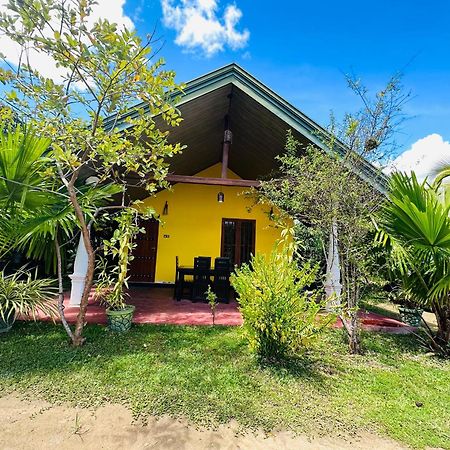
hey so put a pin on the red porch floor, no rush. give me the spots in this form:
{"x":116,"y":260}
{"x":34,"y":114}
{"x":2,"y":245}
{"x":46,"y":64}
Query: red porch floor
{"x":156,"y":306}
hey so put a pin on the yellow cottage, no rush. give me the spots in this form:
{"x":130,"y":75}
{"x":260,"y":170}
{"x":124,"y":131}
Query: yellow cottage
{"x":233,"y":127}
{"x":197,"y":219}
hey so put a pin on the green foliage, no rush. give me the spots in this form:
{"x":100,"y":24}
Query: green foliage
{"x":35,"y":210}
{"x":104,"y":70}
{"x":322,"y":192}
{"x":280,"y":315}
{"x":212,"y":301}
{"x":22,"y":168}
{"x":319,"y":190}
{"x":113,"y":279}
{"x":310,"y":243}
{"x":414,"y":226}
{"x":22,"y":294}
{"x":89,"y":111}
{"x":328,"y":189}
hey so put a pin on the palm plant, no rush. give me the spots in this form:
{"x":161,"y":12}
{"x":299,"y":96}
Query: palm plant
{"x":22,"y":163}
{"x":22,"y":294}
{"x":35,"y":209}
{"x":414,"y":225}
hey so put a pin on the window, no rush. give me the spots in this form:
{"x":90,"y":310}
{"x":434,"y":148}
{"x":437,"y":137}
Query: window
{"x":238,"y":240}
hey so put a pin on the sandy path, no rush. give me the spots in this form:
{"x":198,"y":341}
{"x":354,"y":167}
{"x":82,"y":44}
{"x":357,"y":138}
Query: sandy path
{"x":39,"y":425}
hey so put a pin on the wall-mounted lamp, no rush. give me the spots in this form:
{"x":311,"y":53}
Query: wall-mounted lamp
{"x":166,"y":209}
{"x":220,"y":197}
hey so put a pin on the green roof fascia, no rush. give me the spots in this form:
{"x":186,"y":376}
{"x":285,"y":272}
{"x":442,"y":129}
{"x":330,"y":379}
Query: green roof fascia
{"x":294,"y":118}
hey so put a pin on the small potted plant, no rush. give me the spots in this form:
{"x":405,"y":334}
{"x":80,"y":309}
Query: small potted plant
{"x":410,"y":311}
{"x":21,"y":294}
{"x":410,"y":314}
{"x":119,"y":314}
{"x":113,"y":280}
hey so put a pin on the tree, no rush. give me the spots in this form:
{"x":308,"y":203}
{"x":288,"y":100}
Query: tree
{"x":36,"y":217}
{"x":414,"y":225}
{"x":330,"y":192}
{"x":319,"y":191}
{"x":86,"y":112}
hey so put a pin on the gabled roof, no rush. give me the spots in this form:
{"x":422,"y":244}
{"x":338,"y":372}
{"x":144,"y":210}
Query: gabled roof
{"x":259,"y":119}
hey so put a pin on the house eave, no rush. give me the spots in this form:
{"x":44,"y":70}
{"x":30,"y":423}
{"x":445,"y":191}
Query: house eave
{"x":294,"y":118}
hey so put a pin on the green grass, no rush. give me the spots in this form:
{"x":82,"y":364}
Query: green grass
{"x":208,"y":376}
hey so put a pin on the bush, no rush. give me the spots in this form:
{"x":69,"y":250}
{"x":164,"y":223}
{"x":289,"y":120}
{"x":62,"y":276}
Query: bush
{"x":280,"y":314}
{"x":22,"y":294}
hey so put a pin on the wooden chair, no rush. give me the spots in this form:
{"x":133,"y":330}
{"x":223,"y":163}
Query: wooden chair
{"x":202,"y":277}
{"x":183,"y":287}
{"x":221,"y":283}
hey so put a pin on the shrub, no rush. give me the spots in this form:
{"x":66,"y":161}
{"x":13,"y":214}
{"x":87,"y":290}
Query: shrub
{"x":22,"y":294}
{"x":280,"y":314}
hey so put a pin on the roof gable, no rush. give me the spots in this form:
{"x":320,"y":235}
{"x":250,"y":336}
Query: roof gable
{"x":259,"y":121}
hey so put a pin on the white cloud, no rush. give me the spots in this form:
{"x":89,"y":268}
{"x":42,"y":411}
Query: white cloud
{"x":198,"y":25}
{"x":423,"y":156}
{"x":104,"y":9}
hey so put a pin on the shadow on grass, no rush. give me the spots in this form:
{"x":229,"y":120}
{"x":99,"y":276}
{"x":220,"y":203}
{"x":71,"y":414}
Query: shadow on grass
{"x":304,"y":366}
{"x":378,"y":309}
{"x":391,"y":344}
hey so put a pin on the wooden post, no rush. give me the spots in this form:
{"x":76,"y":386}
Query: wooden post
{"x":227,"y":138}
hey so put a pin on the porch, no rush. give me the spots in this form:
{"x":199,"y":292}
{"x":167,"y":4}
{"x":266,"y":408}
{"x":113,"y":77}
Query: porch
{"x":155,"y":305}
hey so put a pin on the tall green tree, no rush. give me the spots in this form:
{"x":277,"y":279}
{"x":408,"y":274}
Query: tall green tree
{"x":332,"y":192}
{"x":322,"y":193}
{"x":86,"y":112}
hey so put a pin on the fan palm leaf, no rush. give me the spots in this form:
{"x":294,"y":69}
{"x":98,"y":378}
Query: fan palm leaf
{"x":22,"y":163}
{"x":414,"y":225}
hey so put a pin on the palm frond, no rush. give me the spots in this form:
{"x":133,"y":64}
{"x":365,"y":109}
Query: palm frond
{"x":21,"y":165}
{"x":414,"y":226}
{"x":23,"y":294}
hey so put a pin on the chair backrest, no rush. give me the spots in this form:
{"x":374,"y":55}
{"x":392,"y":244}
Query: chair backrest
{"x":202,"y":262}
{"x":222,"y":264}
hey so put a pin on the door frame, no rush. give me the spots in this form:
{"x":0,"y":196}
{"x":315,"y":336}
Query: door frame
{"x":152,"y":274}
{"x":237,"y":247}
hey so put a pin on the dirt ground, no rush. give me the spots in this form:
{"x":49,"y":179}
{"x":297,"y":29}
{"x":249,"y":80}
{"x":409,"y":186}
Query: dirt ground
{"x":40,"y":425}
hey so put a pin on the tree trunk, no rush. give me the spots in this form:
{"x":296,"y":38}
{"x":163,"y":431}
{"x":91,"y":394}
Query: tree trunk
{"x":354,"y":338}
{"x":77,"y":339}
{"x":442,"y":314}
{"x":61,"y":290}
{"x":351,"y":322}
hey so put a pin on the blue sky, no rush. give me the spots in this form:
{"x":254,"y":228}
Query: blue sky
{"x":302,"y":49}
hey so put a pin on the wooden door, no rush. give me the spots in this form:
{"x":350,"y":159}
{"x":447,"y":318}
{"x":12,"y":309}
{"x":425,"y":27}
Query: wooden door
{"x":143,"y":267}
{"x":238,"y":240}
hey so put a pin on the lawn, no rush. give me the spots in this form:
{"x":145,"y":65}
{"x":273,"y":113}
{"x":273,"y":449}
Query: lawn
{"x":208,"y":376}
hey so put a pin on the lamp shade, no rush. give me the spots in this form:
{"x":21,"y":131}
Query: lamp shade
{"x":220,"y":197}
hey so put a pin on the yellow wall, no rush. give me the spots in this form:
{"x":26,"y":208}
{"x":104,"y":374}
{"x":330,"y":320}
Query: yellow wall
{"x":193,"y":225}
